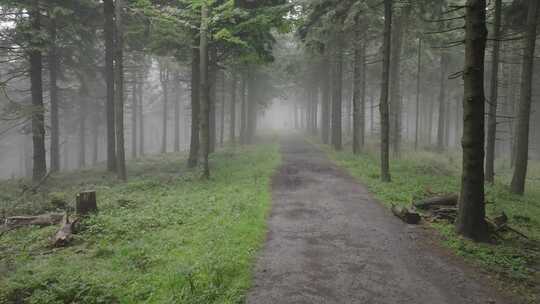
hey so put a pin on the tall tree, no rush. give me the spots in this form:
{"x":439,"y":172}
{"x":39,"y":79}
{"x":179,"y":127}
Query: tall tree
{"x":383,"y":106}
{"x":359,"y":93}
{"x":164,"y":81}
{"x":119,"y":90}
{"x":524,"y":111}
{"x":470,"y":220}
{"x":418,"y":83}
{"x":232,"y":110}
{"x":36,"y":71}
{"x":108,"y":12}
{"x":493,"y":95}
{"x":195,"y":108}
{"x":204,"y":91}
{"x":177,"y":101}
{"x":53,"y":96}
{"x":337,"y":77}
{"x":326,"y":100}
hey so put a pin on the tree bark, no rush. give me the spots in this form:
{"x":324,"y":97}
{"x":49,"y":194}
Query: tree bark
{"x":493,"y":99}
{"x":204,"y":91}
{"x":108,"y":12}
{"x":383,"y":107}
{"x":38,"y":119}
{"x":53,"y":95}
{"x":195,"y":109}
{"x":524,"y":110}
{"x":470,"y":221}
{"x":119,"y":92}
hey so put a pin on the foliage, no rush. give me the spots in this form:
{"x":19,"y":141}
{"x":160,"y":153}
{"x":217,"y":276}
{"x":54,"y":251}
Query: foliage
{"x":162,"y":237}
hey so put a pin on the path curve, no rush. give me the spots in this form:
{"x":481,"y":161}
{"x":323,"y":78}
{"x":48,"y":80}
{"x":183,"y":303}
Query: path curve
{"x":329,"y":242}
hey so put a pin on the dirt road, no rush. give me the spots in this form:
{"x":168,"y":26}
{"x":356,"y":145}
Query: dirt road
{"x":329,"y":241}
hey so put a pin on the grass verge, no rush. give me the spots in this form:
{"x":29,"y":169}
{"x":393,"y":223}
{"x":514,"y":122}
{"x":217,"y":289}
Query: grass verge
{"x":163,"y":237}
{"x":416,"y":175}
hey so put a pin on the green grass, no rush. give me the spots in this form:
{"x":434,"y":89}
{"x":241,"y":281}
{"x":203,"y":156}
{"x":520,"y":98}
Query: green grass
{"x":163,"y":237}
{"x":417,"y":175}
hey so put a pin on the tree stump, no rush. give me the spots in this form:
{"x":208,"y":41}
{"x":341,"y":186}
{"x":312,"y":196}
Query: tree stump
{"x":86,"y":203}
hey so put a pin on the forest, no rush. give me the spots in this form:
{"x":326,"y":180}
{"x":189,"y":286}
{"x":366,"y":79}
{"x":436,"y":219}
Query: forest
{"x":269,"y":151}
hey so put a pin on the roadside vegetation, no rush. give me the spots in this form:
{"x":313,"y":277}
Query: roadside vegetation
{"x":421,"y":174}
{"x":162,"y":237}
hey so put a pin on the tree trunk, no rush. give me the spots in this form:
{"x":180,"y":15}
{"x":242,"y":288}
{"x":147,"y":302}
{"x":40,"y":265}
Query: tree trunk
{"x":252,"y":105}
{"x":212,"y":98}
{"x":222,"y":110}
{"x":418,"y":87}
{"x":232,"y":130}
{"x":119,"y":92}
{"x":385,"y":119}
{"x":195,"y":109}
{"x":337,"y":98}
{"x":442,"y":106}
{"x":359,"y":95}
{"x":53,"y":92}
{"x":243,"y":110}
{"x":164,"y":80}
{"x":524,"y":111}
{"x":326,"y":100}
{"x":140,"y":94}
{"x":204,"y":91}
{"x":177,"y":100}
{"x":83,"y":95}
{"x":95,"y":133}
{"x":134,"y":116}
{"x":395,"y":83}
{"x":108,"y":12}
{"x":38,"y":119}
{"x":470,"y":221}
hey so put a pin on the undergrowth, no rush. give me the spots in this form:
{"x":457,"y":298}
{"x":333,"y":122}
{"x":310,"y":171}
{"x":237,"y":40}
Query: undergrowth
{"x":165,"y":236}
{"x":416,"y":175}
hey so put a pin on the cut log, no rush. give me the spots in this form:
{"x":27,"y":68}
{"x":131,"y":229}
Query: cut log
{"x":38,"y":220}
{"x":438,"y":201}
{"x":406,"y":215}
{"x":86,"y":203}
{"x":65,"y":234}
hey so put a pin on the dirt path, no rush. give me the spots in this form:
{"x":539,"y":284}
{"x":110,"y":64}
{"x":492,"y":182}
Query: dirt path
{"x":329,"y":241}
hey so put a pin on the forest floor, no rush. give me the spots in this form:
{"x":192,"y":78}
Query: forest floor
{"x":165,"y":236}
{"x":330,"y":241}
{"x":513,"y":262}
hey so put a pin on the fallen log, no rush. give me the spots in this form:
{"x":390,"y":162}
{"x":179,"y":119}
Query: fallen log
{"x":41,"y":220}
{"x":437,"y":201}
{"x":406,"y":215}
{"x":63,"y":236}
